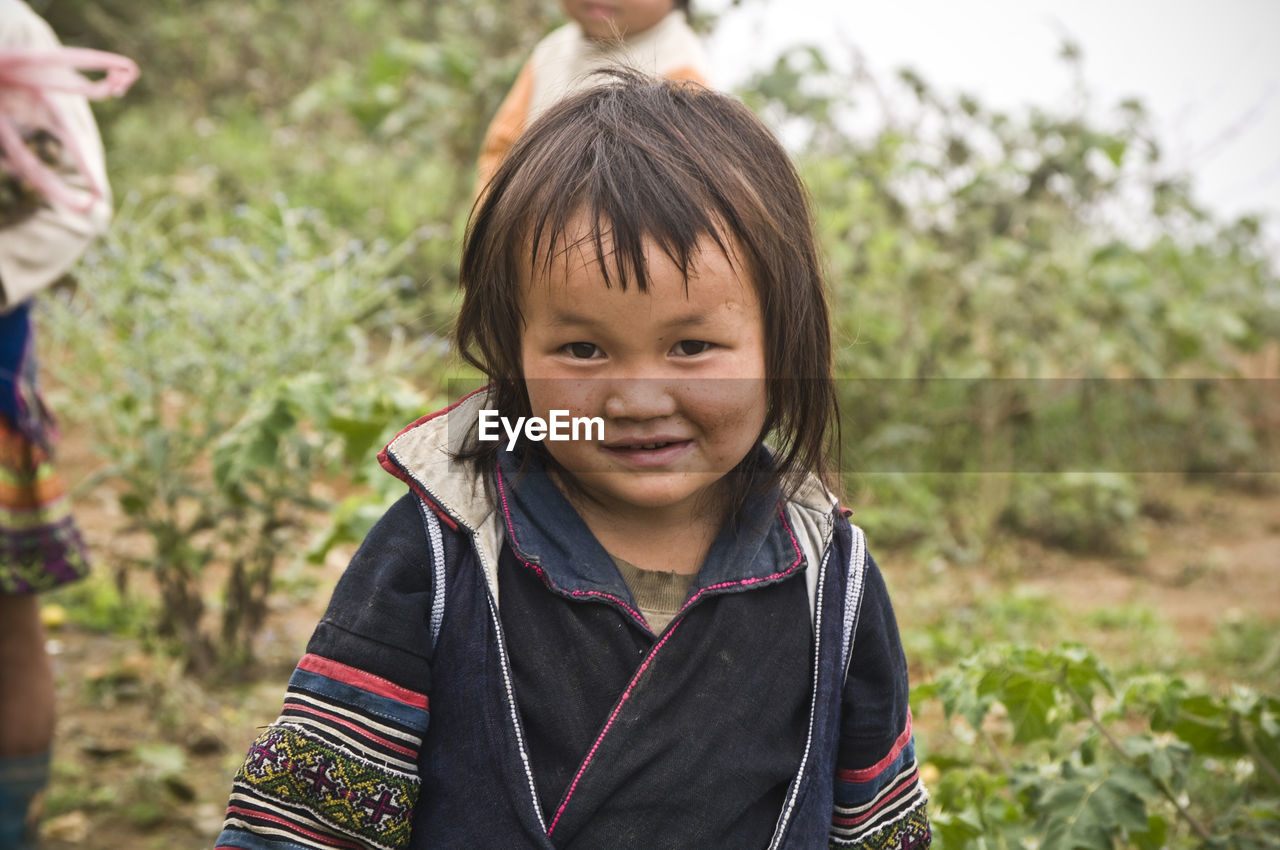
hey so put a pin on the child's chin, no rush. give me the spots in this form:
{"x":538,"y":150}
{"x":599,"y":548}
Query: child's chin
{"x":677,"y":491}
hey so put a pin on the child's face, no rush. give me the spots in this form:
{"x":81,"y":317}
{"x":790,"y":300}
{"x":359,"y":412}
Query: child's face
{"x":677,"y":377}
{"x":601,"y":19}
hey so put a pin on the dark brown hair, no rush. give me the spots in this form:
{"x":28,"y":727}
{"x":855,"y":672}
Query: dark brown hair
{"x":674,"y":163}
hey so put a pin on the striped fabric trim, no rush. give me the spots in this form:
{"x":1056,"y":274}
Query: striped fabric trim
{"x":344,"y":730}
{"x":338,"y":768}
{"x":889,"y":800}
{"x":909,"y":831}
{"x":355,"y":677}
{"x":251,"y":825}
{"x":867,"y":774}
{"x":408,"y":717}
{"x":40,"y":546}
{"x":886,"y":809}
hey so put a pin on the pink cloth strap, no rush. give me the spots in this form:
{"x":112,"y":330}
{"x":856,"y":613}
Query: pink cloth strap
{"x":27,"y":78}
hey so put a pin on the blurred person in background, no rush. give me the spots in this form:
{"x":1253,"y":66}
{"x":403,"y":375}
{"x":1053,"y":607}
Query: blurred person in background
{"x":651,"y":36}
{"x":54,"y":200}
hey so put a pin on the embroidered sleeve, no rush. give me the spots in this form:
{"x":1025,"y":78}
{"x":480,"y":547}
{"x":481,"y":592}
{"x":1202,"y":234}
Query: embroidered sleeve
{"x":337,"y":769}
{"x":339,"y":766}
{"x":879,"y":799}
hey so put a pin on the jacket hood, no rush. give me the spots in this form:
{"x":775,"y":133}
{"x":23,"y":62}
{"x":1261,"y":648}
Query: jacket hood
{"x":423,"y":456}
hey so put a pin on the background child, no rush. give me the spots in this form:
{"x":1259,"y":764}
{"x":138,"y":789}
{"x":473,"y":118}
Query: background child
{"x":498,"y":666}
{"x":652,"y":36}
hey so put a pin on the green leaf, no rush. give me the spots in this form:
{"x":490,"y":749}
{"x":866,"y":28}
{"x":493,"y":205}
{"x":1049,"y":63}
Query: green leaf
{"x":1114,"y":147}
{"x":1033,"y":708}
{"x":132,"y":504}
{"x":1164,"y":759}
{"x":1155,"y":836}
{"x":1082,"y":671}
{"x":958,"y":688}
{"x":1090,"y":807}
{"x":956,"y":829}
{"x":1205,"y":723}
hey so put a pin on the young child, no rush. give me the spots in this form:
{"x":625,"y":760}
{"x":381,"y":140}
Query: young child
{"x":648,"y":35}
{"x":658,"y":633}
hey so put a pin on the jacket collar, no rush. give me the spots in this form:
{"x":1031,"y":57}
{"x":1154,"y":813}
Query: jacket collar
{"x":546,"y":532}
{"x":422,"y":456}
{"x":553,"y":536}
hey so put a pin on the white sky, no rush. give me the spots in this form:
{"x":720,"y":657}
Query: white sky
{"x":1208,"y":71}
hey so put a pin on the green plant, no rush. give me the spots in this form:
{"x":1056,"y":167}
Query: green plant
{"x":1015,"y":291}
{"x":215,"y":377}
{"x":1247,"y":647}
{"x":1079,"y":511}
{"x":1062,"y":753}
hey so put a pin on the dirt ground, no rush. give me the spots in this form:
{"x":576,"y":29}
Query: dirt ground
{"x":145,"y":756}
{"x":1214,"y":556}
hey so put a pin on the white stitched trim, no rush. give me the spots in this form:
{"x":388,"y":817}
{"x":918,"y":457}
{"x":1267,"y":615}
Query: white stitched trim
{"x":794,"y":791}
{"x":437,"y":569}
{"x":515,"y":713}
{"x":853,"y":585}
{"x":360,"y":717}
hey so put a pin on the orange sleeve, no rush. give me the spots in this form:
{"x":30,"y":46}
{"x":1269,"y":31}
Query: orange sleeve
{"x":688,"y":74}
{"x":506,"y":126}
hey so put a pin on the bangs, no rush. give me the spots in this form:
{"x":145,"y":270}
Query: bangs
{"x":634,"y":175}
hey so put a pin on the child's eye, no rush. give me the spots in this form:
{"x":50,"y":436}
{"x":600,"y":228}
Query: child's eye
{"x":690,"y":347}
{"x":582,"y":350}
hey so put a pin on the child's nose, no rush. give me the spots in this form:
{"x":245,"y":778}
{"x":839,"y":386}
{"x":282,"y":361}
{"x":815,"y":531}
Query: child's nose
{"x":640,"y":398}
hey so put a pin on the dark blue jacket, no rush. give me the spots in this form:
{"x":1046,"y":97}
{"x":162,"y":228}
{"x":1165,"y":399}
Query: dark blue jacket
{"x":404,"y":727}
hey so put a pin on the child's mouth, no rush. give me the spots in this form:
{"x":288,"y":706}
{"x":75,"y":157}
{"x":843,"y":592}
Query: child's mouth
{"x":657,"y":453}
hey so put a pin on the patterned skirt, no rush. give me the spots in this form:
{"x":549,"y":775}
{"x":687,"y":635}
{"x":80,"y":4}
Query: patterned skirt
{"x":40,"y":546}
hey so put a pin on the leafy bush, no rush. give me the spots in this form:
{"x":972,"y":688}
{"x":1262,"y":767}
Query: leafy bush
{"x":1080,"y":511}
{"x":219,"y":378}
{"x":979,"y":258}
{"x":1062,"y":754}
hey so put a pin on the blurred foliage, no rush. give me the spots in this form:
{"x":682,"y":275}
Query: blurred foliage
{"x":222,"y":379}
{"x":367,"y":110}
{"x":1059,"y":752}
{"x":1084,"y":512}
{"x":979,"y":258}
